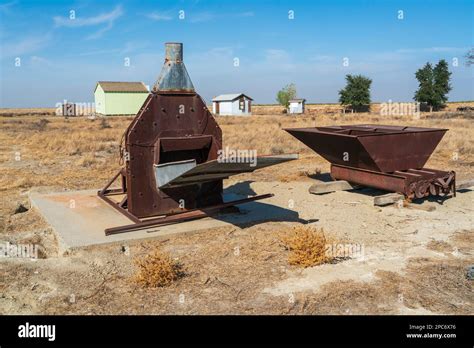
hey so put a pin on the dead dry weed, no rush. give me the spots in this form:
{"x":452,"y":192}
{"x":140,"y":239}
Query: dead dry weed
{"x":307,"y":247}
{"x":157,"y":269}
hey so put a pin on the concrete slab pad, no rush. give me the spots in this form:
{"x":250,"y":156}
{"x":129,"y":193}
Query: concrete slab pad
{"x":331,"y":186}
{"x":80,"y":217}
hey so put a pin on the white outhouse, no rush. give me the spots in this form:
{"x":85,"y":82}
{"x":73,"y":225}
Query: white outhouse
{"x":296,"y":106}
{"x":237,"y":104}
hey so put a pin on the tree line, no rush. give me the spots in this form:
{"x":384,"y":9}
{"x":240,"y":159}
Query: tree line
{"x":434,"y":84}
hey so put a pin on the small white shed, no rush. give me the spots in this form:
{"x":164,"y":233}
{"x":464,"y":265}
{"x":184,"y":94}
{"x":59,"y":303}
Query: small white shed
{"x":237,"y":104}
{"x":296,"y":106}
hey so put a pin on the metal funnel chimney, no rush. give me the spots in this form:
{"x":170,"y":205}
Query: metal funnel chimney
{"x":173,"y":76}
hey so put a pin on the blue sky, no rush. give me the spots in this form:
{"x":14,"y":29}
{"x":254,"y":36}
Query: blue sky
{"x":62,"y":58}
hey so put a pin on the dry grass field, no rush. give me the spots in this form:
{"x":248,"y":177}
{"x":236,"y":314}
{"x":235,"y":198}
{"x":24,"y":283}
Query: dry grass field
{"x":39,"y":151}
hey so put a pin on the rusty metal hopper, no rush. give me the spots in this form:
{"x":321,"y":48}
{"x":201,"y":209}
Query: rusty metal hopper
{"x":390,"y":158}
{"x":174,"y":164}
{"x":174,"y":77}
{"x":377,"y":148}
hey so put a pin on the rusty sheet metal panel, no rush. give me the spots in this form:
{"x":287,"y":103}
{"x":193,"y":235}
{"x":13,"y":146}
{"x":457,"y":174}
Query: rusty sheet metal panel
{"x":412,"y":183}
{"x":372,"y":147}
{"x":162,"y":118}
{"x":166,"y":172}
{"x":215,"y":169}
{"x":395,"y":183}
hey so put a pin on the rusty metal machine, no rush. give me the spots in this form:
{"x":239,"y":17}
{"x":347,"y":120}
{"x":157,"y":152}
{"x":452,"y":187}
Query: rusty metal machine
{"x":390,"y":158}
{"x":173,"y":169}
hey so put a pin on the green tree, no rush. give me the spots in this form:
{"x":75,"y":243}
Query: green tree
{"x":286,"y":94}
{"x":442,"y":76}
{"x":433,"y":84}
{"x":425,"y":92}
{"x":470,"y":57}
{"x":357,"y":91}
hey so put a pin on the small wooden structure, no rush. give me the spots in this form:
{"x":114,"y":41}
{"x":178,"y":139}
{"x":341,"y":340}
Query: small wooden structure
{"x":296,"y":106}
{"x":119,"y":98}
{"x":236,"y":104}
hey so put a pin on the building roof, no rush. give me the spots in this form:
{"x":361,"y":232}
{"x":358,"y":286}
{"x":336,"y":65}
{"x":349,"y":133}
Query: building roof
{"x":297,"y":100}
{"x":111,"y":86}
{"x":230,"y":97}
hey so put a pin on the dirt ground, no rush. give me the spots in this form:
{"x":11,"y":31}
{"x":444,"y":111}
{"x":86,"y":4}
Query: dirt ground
{"x":414,"y":260}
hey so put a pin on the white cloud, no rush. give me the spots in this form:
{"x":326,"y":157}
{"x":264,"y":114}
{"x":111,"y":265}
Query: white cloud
{"x":107,"y":18}
{"x":433,"y":50}
{"x":278,"y":59}
{"x":100,"y":32}
{"x":37,"y":60}
{"x":219,"y":58}
{"x":276,"y":54}
{"x":99,"y":52}
{"x":201,"y":17}
{"x":26,"y":45}
{"x":322,"y":58}
{"x":197,"y":17}
{"x":159,"y":16}
{"x":6,"y":8}
{"x":245,"y":14}
{"x":129,"y":47}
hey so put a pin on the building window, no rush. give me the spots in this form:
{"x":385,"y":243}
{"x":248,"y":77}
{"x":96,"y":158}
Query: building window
{"x":241,"y":104}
